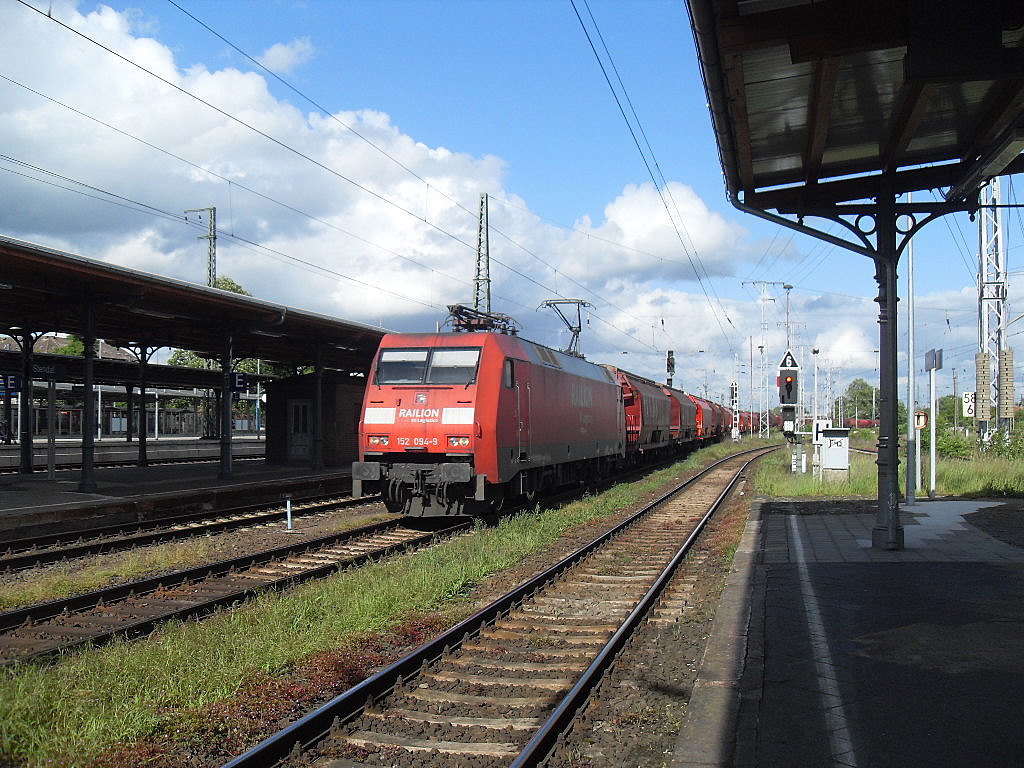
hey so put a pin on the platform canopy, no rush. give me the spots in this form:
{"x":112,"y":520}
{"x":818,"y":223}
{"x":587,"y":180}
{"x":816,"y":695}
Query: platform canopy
{"x":835,"y":109}
{"x":818,"y":102}
{"x":43,"y":290}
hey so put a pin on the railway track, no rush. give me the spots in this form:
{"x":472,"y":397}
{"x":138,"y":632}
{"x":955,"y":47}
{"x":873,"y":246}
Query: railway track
{"x":20,"y":554}
{"x":128,"y":610}
{"x":503,"y":686}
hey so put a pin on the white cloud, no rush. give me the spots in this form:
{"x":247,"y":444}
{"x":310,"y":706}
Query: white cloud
{"x":643,"y":236}
{"x":285,"y":58}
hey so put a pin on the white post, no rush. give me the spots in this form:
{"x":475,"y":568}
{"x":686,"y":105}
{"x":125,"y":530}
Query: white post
{"x":913,"y":444}
{"x":814,"y":418}
{"x":931,"y":484}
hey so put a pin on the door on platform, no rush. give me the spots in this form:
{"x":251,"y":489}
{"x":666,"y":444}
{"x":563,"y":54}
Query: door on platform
{"x":299,"y":435}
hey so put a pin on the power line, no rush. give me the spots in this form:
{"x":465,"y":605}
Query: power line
{"x":106,"y":196}
{"x":694,"y":257}
{"x":304,"y":156}
{"x":386,"y":154}
{"x":274,"y":140}
{"x":228,"y":181}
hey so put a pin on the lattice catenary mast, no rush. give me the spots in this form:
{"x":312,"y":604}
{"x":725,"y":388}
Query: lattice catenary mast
{"x":482,"y":281}
{"x":211,"y":242}
{"x":997,"y":390}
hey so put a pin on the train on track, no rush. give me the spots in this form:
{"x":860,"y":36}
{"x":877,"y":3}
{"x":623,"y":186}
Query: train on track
{"x":462,"y":422}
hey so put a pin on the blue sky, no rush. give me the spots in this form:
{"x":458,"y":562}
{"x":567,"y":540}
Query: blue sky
{"x":458,"y":97}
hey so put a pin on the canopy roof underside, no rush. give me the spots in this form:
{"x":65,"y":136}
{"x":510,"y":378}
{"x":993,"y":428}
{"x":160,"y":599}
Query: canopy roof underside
{"x":816,"y":102}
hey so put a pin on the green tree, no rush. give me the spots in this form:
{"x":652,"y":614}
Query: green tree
{"x":860,"y":400}
{"x":190,"y":359}
{"x":74,"y":347}
{"x":225,"y":283}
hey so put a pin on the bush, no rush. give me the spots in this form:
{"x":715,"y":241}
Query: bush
{"x":954,"y":445}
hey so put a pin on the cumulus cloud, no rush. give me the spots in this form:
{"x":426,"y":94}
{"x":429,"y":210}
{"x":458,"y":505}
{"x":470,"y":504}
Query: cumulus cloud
{"x":285,"y":58}
{"x":669,"y":236}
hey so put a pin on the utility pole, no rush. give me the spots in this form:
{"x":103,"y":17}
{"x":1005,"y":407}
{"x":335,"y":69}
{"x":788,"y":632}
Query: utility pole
{"x":956,"y":405}
{"x":209,"y":420}
{"x":765,"y":298}
{"x":211,"y":241}
{"x":750,"y":371}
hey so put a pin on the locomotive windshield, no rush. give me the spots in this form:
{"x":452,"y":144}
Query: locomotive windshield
{"x":445,"y":365}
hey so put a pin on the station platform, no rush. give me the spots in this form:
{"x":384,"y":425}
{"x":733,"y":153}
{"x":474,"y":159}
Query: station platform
{"x":827,"y":652}
{"x":33,"y":504}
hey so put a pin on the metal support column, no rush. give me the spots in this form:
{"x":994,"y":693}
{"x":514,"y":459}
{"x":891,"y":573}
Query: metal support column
{"x":225,"y":408}
{"x":87,"y":480}
{"x":317,"y":462}
{"x":143,"y":458}
{"x":27,"y":342}
{"x":887,"y":532}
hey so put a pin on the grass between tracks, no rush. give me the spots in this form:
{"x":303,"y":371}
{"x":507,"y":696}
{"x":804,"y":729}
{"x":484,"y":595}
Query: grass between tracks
{"x":67,"y":579}
{"x":168,"y":685}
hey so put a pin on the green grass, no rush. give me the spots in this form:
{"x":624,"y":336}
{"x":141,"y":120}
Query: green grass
{"x":774,"y":477}
{"x":69,"y":579}
{"x":985,"y":476}
{"x":67,"y":714}
{"x":979,"y":478}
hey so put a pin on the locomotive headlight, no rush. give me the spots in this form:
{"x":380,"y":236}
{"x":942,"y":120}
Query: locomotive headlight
{"x":377,"y":440}
{"x":458,"y":442}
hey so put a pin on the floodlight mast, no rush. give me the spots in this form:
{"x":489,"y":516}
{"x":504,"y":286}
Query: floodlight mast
{"x":556,"y":304}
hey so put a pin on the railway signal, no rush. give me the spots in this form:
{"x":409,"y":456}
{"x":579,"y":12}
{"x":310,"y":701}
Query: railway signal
{"x":788,"y":386}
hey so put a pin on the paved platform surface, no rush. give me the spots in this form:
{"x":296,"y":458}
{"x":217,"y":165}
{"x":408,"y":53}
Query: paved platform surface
{"x":33,"y":504}
{"x":827,"y":652}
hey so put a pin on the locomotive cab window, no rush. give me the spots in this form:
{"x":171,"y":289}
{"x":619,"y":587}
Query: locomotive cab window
{"x":427,"y":366}
{"x":401,"y":366}
{"x":453,"y":366}
{"x":510,"y":373}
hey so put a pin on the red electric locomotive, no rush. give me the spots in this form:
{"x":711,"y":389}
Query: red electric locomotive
{"x":456,"y":423}
{"x":453,"y":423}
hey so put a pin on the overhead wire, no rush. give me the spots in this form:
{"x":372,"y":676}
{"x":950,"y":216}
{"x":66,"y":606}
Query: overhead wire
{"x":233,"y":118}
{"x":963,"y":252}
{"x":315,"y":162}
{"x":246,"y":188}
{"x":693,"y":257}
{"x":330,"y":115}
{"x":107,"y":196}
